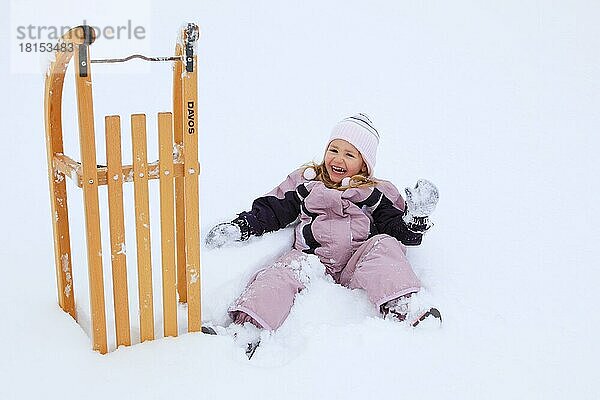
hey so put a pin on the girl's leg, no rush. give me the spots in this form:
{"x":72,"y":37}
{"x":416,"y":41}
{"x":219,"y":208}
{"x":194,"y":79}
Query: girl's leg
{"x":380,"y":267}
{"x":268,"y":298}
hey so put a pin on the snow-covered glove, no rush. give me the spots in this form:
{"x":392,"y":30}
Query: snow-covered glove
{"x":228,"y":232}
{"x":420,"y":203}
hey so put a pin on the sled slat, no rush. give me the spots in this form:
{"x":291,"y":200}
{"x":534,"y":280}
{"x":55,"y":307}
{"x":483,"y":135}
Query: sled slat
{"x":167,"y":223}
{"x":83,"y":85}
{"x":142,"y":226}
{"x":117,"y":229}
{"x":192,"y":215}
{"x":179,"y":185}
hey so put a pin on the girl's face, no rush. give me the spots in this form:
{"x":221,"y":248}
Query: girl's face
{"x":343,"y":160}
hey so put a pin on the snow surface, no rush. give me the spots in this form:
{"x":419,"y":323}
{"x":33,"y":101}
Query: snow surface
{"x":494,"y":102}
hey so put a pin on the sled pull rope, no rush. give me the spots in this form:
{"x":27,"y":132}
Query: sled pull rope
{"x":131,"y":57}
{"x":191,"y":36}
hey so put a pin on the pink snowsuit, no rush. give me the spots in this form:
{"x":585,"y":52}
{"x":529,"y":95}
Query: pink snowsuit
{"x":356,"y":234}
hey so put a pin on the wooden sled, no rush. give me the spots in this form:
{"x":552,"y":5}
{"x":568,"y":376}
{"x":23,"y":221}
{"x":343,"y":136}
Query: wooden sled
{"x":178,"y":177}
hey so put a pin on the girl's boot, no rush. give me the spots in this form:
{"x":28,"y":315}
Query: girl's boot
{"x":413,"y":309}
{"x":246,"y":332}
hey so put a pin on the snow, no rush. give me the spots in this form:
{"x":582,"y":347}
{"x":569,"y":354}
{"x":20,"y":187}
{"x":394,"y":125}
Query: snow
{"x":495,"y":103}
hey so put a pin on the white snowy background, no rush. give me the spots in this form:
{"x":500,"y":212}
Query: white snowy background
{"x":495,"y":102}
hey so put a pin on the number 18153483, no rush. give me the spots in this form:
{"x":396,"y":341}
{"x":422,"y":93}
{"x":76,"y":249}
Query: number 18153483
{"x":45,"y":47}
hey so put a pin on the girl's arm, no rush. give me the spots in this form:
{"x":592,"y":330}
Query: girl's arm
{"x":269,"y":213}
{"x":388,"y":219}
{"x":273,"y":211}
{"x":406,"y":221}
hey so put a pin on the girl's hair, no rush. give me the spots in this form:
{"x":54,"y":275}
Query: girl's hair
{"x":356,"y":181}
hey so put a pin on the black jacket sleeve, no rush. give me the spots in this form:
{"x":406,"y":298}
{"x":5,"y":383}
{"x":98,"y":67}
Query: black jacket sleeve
{"x":388,"y":219}
{"x":270,"y":213}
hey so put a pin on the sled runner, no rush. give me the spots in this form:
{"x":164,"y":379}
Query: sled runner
{"x":177,"y":172}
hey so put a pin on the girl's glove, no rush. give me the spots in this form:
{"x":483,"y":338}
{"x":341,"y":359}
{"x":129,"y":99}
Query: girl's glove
{"x":228,"y":232}
{"x":420,"y":203}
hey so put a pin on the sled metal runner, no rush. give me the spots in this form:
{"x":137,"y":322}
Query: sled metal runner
{"x":177,"y":172}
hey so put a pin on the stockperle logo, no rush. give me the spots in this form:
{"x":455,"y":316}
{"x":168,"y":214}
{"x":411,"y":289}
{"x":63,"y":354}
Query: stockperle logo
{"x":35,"y":36}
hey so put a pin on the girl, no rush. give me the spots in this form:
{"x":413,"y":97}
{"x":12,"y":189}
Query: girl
{"x":358,"y":227}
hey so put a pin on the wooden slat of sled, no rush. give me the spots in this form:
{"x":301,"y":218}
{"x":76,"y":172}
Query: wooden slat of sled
{"x":192,"y":215}
{"x":179,"y":180}
{"x":167,"y":223}
{"x":85,"y":110}
{"x":117,"y":229}
{"x":142,"y":226}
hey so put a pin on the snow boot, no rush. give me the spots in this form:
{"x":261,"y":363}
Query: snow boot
{"x":208,"y":330}
{"x":411,"y":309}
{"x":244,"y":335}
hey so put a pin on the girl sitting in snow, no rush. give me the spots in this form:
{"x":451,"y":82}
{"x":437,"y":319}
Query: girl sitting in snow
{"x":356,"y":225}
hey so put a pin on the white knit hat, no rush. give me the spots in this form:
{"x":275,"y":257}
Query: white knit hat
{"x":359,"y":131}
